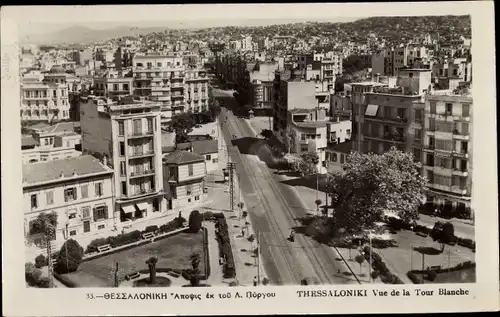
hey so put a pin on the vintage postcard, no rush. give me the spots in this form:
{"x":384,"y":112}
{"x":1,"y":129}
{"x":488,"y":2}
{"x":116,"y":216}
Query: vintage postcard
{"x":249,"y":159}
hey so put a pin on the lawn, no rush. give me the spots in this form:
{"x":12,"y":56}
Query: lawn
{"x":172,"y":252}
{"x":461,"y":276}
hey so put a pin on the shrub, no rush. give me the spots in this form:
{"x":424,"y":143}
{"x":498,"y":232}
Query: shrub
{"x":431,"y":275}
{"x":414,"y":278}
{"x":208,"y":215}
{"x":33,"y":276}
{"x":41,"y":261}
{"x":195,"y":221}
{"x":70,"y":257}
{"x":375,"y":274}
{"x":125,"y":238}
{"x":265,"y":281}
{"x":153,"y":228}
{"x":225,"y":250}
{"x":251,"y":238}
{"x":233,"y":283}
{"x":92,"y":247}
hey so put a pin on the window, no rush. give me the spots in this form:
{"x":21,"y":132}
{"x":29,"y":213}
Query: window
{"x":334,"y":157}
{"x":465,"y":109}
{"x":433,"y":107}
{"x":208,"y":157}
{"x":137,"y":126}
{"x":156,"y":205}
{"x":98,"y":189}
{"x":49,"y":196}
{"x":85,"y":191}
{"x":115,"y":87}
{"x":348,"y":133}
{"x":418,"y":134}
{"x":465,"y":147}
{"x":122,"y":168}
{"x":85,"y":212}
{"x":303,"y":137}
{"x":150,"y":64}
{"x":341,"y":158}
{"x":150,"y":125}
{"x":190,"y":169}
{"x":158,"y":64}
{"x":122,"y":148}
{"x":72,"y":233}
{"x":72,"y":215}
{"x":449,"y":108}
{"x":46,"y":141}
{"x":99,"y":227}
{"x":188,"y":190}
{"x":34,"y":201}
{"x":121,"y":128}
{"x":70,"y":194}
{"x":196,"y":197}
{"x":418,"y":115}
{"x":124,"y":188}
{"x":100,"y":213}
{"x":430,"y":176}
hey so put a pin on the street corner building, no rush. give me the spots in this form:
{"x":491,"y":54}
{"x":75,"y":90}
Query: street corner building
{"x":77,"y":189}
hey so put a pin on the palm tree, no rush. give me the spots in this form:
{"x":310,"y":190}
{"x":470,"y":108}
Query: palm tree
{"x":151,"y":262}
{"x":195,"y":271}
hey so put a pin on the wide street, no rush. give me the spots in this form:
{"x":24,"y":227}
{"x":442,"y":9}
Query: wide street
{"x":274,"y":210}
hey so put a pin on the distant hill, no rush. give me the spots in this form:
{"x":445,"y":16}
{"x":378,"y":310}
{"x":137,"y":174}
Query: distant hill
{"x":85,"y":35}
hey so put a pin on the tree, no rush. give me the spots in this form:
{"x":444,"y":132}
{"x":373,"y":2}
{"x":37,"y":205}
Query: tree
{"x":266,"y":133}
{"x":182,"y":124}
{"x":195,"y":220}
{"x":151,"y":262}
{"x":443,"y":233}
{"x":69,"y":257}
{"x":371,"y":184}
{"x":308,"y":162}
{"x":360,"y":258}
{"x":194,"y":273}
{"x":44,"y":224}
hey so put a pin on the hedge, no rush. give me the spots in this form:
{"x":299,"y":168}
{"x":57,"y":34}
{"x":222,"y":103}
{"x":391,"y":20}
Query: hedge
{"x":134,"y":236}
{"x":416,"y":279}
{"x":378,"y":265}
{"x":225,"y":250}
{"x":33,"y":276}
{"x":41,"y":261}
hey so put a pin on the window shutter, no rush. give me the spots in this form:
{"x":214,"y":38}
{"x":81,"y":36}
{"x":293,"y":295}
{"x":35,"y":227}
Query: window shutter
{"x":96,"y":189}
{"x":74,"y":193}
{"x":106,"y":212}
{"x":94,"y":211}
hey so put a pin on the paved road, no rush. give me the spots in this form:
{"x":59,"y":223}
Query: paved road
{"x":274,"y":210}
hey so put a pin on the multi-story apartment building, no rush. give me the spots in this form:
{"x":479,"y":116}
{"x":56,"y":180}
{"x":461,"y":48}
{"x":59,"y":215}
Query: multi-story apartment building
{"x":340,"y":105}
{"x":196,"y":90}
{"x":81,"y":57}
{"x":78,"y":190}
{"x":290,"y":92}
{"x":447,"y":71}
{"x":387,"y":117}
{"x":447,"y":158}
{"x":112,"y":85}
{"x":261,"y":88}
{"x":128,"y":134}
{"x":44,"y":101}
{"x":183,"y":178}
{"x":161,"y":79}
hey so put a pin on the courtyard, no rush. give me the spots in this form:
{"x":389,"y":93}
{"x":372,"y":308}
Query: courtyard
{"x":172,"y":252}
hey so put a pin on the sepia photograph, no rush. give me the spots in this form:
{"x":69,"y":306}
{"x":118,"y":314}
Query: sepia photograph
{"x":258,"y":152}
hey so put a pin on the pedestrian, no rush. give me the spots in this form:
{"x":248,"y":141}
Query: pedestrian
{"x":255,"y":281}
{"x":242,"y":231}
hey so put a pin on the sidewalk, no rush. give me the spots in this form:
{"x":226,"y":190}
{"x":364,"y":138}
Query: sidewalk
{"x":216,"y":277}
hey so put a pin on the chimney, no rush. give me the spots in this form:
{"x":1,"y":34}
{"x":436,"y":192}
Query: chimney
{"x":105,"y":160}
{"x":61,"y":175}
{"x":74,"y":173}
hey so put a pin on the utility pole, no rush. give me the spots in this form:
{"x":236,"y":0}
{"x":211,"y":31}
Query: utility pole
{"x":116,"y":275}
{"x":230,"y":167}
{"x":423,"y":265}
{"x":370,"y":267}
{"x":258,"y":257}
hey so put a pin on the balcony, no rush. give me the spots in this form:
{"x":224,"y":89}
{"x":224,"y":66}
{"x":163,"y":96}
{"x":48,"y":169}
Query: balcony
{"x":458,"y":136}
{"x":160,"y":88}
{"x":178,"y":105}
{"x":138,"y":154}
{"x":177,"y":86}
{"x":460,"y":172}
{"x":142,"y":173}
{"x":140,"y":134}
{"x":461,"y":154}
{"x":458,"y":190}
{"x":143,"y":192}
{"x":177,"y":96}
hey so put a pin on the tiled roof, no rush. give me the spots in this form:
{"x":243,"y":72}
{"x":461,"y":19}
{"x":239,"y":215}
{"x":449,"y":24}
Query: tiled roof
{"x":300,"y":111}
{"x":205,"y":147}
{"x":56,"y":128}
{"x":28,"y":141}
{"x":182,"y":157}
{"x":52,"y":170}
{"x":183,"y":146}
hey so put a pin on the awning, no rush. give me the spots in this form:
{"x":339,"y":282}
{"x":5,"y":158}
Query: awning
{"x":128,"y":209}
{"x":371,"y":110}
{"x":142,"y":206}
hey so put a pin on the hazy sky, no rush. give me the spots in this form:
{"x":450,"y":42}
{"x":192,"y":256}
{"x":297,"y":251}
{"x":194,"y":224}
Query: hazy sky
{"x":47,"y":19}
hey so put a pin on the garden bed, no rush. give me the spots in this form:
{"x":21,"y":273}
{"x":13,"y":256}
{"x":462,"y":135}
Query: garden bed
{"x":172,"y":252}
{"x":225,"y":250}
{"x":380,"y":268}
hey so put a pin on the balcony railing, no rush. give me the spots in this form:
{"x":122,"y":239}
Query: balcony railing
{"x":136,"y":134}
{"x":141,"y":153}
{"x":142,"y":192}
{"x":142,"y":173}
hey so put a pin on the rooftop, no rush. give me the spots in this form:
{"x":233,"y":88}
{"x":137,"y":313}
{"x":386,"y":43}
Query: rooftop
{"x":344,"y":147}
{"x":205,"y":147}
{"x":42,"y":172}
{"x":182,"y":157}
{"x":28,"y":141}
{"x":61,"y":127}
